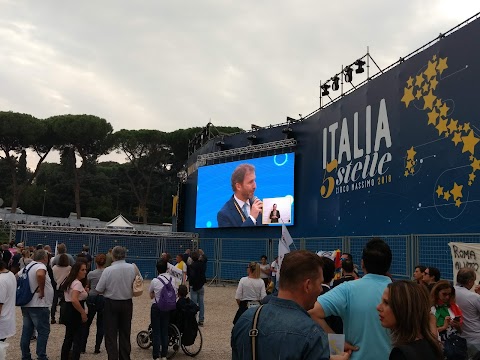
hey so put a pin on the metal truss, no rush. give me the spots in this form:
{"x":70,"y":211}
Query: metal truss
{"x":103,"y":231}
{"x":280,"y":144}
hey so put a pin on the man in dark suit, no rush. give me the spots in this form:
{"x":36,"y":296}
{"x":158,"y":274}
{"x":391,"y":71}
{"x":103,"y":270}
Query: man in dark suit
{"x":242,"y":209}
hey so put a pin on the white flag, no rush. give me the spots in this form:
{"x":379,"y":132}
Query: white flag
{"x":286,"y":236}
{"x":283,"y":248}
{"x":56,"y":245}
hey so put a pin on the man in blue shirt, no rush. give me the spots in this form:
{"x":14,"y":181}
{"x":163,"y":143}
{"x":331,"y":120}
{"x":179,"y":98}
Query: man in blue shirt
{"x":285,"y":330}
{"x":356,"y":301}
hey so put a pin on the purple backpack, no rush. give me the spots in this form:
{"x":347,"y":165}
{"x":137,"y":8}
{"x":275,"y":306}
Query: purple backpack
{"x":168,"y":299}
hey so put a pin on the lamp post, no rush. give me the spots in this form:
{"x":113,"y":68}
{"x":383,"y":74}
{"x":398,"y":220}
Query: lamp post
{"x":44,"y":196}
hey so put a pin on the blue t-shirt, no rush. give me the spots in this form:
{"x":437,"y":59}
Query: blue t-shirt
{"x":355,"y":302}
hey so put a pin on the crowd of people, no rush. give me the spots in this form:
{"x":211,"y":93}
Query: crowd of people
{"x":83,"y":295}
{"x":423,"y":318}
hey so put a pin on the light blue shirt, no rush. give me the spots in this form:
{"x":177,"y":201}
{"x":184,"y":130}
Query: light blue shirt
{"x":116,"y":281}
{"x":355,"y":302}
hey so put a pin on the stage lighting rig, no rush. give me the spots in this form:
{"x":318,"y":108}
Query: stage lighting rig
{"x":335,"y":83}
{"x":359,"y":64}
{"x":348,"y":73}
{"x":325,"y":88}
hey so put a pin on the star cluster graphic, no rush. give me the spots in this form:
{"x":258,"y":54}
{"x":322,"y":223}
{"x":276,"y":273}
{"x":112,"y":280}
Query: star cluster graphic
{"x":422,"y":87}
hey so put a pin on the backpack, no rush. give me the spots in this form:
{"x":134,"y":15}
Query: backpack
{"x":24,"y":294}
{"x":167,"y":300}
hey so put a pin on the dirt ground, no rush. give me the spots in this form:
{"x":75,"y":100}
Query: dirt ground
{"x":220,"y":308}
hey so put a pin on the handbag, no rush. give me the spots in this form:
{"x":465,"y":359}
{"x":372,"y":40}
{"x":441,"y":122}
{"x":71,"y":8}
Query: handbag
{"x":455,"y":348}
{"x":137,"y":285}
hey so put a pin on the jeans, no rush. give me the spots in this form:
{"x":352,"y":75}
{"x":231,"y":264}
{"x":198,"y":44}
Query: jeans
{"x":118,"y":327}
{"x":35,"y":318}
{"x":95,"y":305}
{"x":160,"y":321}
{"x":197,"y":298}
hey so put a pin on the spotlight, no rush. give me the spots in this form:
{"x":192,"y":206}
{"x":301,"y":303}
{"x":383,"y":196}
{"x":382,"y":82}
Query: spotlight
{"x":288,"y":131}
{"x":220,"y":144}
{"x":252,"y":137}
{"x":325,"y":88}
{"x":359,"y":63}
{"x":348,"y":71}
{"x":335,"y":85}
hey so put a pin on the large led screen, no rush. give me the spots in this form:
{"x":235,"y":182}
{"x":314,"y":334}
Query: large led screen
{"x":271,"y":182}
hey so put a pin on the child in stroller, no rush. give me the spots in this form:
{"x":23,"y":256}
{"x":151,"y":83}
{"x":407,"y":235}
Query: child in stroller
{"x":183,"y":330}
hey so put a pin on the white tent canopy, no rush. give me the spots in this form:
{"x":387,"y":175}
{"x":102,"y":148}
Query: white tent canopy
{"x":119,"y":223}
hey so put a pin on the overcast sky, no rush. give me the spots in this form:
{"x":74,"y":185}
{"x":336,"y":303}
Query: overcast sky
{"x":165,"y":65}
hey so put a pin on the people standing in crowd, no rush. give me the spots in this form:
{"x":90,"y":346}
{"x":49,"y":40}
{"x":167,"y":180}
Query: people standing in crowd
{"x":37,"y":312}
{"x":60,"y":273}
{"x":285,"y":330}
{"x":62,"y":249}
{"x":265,"y":270}
{"x":86,"y":253}
{"x":159,"y":319}
{"x":348,"y":256}
{"x":26,"y":259}
{"x":197,"y":280}
{"x":5,"y":253}
{"x":356,"y":301}
{"x":186,"y":256}
{"x":328,"y":270}
{"x":15,"y":266}
{"x":8,"y":287}
{"x":95,"y":303}
{"x":109,"y":258}
{"x":469,"y":302}
{"x":75,"y":295}
{"x":116,"y":284}
{"x":418,"y":274}
{"x":348,"y":273}
{"x":405,"y":310}
{"x":250,"y":290}
{"x":431,"y":276}
{"x":183,"y":267}
{"x":274,"y":268}
{"x":447,"y":313}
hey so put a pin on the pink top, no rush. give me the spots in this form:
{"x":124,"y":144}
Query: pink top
{"x":76,"y":285}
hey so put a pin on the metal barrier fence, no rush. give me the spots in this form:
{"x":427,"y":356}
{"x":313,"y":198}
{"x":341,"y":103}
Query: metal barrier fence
{"x":227,"y":257}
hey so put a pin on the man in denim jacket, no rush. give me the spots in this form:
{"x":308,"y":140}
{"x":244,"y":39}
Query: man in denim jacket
{"x":285,"y":330}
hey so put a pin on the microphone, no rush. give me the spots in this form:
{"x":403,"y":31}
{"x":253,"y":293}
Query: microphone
{"x":252,"y":200}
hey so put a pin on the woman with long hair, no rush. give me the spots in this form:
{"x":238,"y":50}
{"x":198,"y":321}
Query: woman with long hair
{"x":405,"y":310}
{"x":449,"y":320}
{"x":26,"y":258}
{"x":60,"y":273}
{"x":250,"y":290}
{"x":95,"y":303}
{"x":76,"y":317}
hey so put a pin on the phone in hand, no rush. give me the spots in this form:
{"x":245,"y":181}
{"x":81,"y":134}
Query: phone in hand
{"x":456,"y":318}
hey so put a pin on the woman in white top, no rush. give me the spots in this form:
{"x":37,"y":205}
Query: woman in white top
{"x":250,"y":290}
{"x":60,"y":273}
{"x":76,"y":317}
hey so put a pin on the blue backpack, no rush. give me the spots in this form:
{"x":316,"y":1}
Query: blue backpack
{"x":24,"y":294}
{"x":167,"y":300}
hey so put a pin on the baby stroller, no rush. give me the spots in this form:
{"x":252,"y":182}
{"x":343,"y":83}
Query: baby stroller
{"x":183,"y":331}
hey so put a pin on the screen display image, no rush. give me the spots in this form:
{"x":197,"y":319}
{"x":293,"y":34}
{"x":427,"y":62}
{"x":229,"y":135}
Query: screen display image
{"x":261,"y":193}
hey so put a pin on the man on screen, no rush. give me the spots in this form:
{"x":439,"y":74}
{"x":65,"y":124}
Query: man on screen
{"x":243,"y":208}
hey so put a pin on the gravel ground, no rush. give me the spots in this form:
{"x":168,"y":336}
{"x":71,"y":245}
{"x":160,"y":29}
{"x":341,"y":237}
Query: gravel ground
{"x":220,"y":308}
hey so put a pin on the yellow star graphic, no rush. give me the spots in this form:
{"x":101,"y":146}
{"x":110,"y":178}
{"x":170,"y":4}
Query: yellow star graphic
{"x":439,"y":191}
{"x":458,"y":203}
{"x":442,"y":126}
{"x":446,"y":195}
{"x":469,"y":142}
{"x":434,"y":57}
{"x":410,"y":82}
{"x":406,"y":173}
{"x":411,"y":153}
{"x":433,"y":84}
{"x":425,"y":87}
{"x":431,"y":70}
{"x":407,"y":96}
{"x":475,"y":165}
{"x":429,"y":99}
{"x":456,"y":191}
{"x":419,"y":80}
{"x":452,"y":126}
{"x":466,"y":127}
{"x":442,"y":64}
{"x":438,"y":103}
{"x":460,"y":127}
{"x":444,"y":110}
{"x":457,"y":138}
{"x":409,"y":165}
{"x":418,"y":94}
{"x":471,"y":177}
{"x":432,"y":117}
